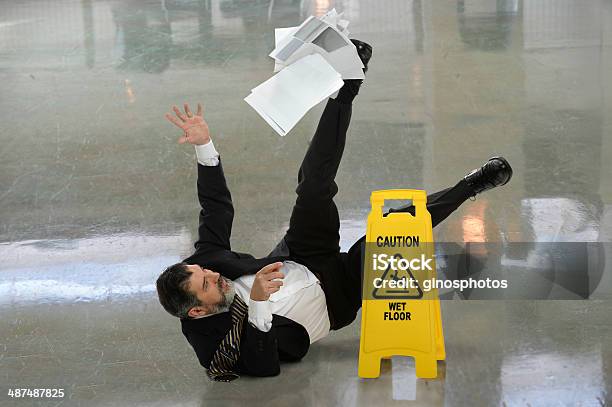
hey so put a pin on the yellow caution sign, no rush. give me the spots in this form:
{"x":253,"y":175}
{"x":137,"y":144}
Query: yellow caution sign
{"x":400,"y":314}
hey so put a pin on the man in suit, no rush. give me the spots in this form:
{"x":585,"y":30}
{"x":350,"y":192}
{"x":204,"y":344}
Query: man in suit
{"x":244,"y":315}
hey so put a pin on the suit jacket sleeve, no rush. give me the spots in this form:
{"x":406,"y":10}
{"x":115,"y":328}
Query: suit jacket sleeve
{"x":262,"y":352}
{"x":217,"y":213}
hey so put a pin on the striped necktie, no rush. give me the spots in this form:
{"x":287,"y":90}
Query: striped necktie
{"x":225,"y":357}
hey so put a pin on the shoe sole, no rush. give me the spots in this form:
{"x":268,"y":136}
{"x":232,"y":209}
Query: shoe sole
{"x":507,"y":164}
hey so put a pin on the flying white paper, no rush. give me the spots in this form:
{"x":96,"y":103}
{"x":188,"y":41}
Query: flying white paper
{"x":311,"y":61}
{"x":286,"y":97}
{"x":326,"y":36}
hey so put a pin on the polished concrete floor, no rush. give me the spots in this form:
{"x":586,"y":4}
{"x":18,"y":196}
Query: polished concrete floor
{"x":96,"y":197}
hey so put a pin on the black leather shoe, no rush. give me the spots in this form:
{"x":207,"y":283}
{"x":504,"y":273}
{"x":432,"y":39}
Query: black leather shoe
{"x":364,"y":50}
{"x":493,"y":173}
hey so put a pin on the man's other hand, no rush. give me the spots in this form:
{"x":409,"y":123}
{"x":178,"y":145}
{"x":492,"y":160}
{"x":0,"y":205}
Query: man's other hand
{"x":263,"y":286}
{"x":195,"y":128}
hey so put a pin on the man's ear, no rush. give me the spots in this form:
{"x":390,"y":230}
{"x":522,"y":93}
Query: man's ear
{"x":196,"y":312}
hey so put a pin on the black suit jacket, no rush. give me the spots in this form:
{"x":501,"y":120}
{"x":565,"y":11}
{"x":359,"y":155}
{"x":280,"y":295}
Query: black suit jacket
{"x":261,"y":352}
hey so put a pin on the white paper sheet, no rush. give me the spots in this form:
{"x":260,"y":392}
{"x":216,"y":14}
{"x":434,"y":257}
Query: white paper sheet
{"x":326,"y":36}
{"x":286,"y":97}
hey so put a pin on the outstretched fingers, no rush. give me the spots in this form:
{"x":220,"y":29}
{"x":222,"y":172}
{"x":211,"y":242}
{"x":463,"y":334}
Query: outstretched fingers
{"x":188,"y":110}
{"x":179,"y":114}
{"x":175,"y":121}
{"x":186,"y":121}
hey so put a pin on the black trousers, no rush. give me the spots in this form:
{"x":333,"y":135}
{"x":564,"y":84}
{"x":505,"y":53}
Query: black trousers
{"x":313,"y":237}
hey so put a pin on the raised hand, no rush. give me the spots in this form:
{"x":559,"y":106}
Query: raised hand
{"x":195,"y":128}
{"x":264,"y":284}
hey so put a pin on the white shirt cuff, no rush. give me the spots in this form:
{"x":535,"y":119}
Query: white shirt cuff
{"x":207,"y":154}
{"x":260,"y":315}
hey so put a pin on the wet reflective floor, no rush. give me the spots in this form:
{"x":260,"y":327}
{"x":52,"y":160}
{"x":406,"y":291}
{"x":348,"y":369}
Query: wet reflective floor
{"x":96,"y":197}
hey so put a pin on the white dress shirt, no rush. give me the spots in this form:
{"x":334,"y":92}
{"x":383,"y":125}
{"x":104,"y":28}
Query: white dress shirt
{"x":300,"y":298}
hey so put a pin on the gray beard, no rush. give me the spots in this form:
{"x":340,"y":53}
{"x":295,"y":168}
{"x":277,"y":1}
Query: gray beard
{"x":228,"y":297}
